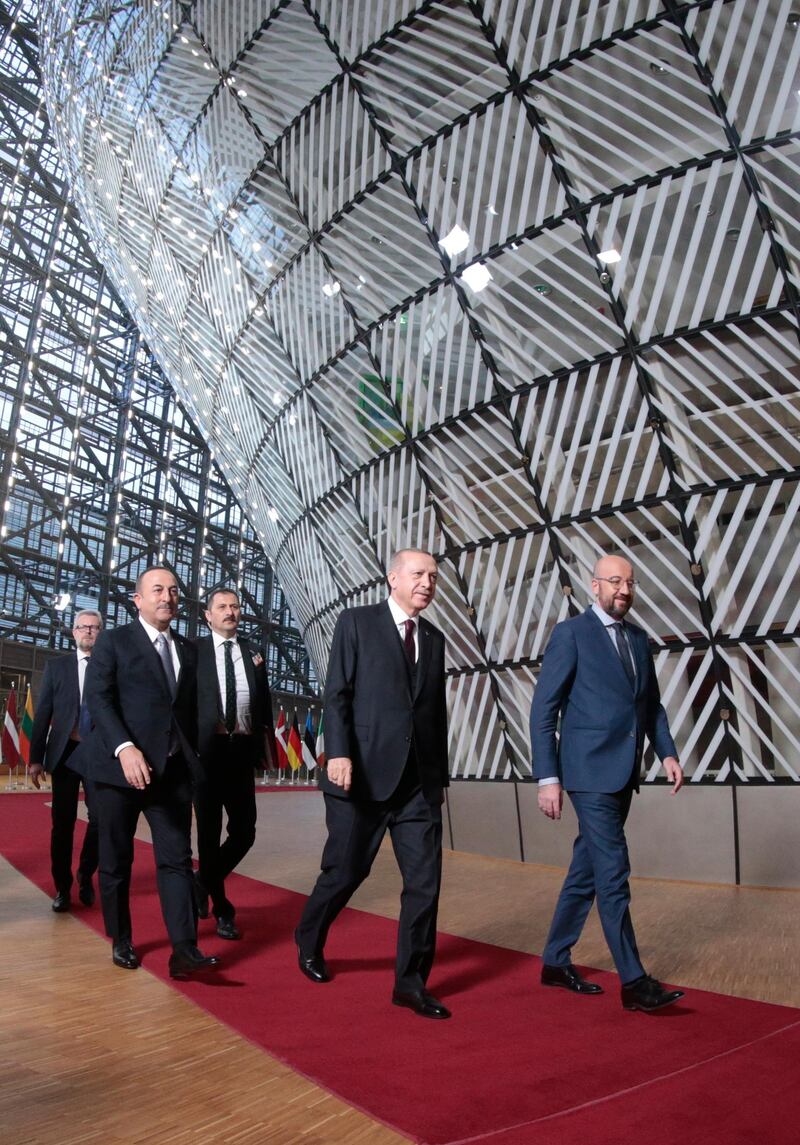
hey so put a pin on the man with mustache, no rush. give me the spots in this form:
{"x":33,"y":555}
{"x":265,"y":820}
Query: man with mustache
{"x":235,"y":737}
{"x":386,"y":737}
{"x":597,"y":685}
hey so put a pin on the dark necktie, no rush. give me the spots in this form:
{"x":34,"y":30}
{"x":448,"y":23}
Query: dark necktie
{"x":162,"y":647}
{"x":84,"y":719}
{"x":624,"y":652}
{"x":408,"y":642}
{"x":230,"y":689}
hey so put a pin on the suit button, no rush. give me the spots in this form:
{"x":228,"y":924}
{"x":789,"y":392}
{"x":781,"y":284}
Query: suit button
{"x":633,"y":734}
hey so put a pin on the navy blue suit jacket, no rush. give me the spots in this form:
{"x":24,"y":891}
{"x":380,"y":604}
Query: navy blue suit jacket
{"x":584,"y":690}
{"x":57,"y":711}
{"x":372,"y":713}
{"x":129,"y":699}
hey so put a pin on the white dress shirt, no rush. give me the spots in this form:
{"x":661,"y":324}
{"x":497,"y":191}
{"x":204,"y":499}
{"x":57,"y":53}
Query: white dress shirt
{"x":244,"y":722}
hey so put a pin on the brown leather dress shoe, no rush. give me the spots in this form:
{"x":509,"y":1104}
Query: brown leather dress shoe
{"x":568,"y":978}
{"x":421,"y":1002}
{"x":648,"y":995}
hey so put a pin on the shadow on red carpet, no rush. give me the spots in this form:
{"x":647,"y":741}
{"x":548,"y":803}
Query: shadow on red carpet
{"x":516,"y":1065}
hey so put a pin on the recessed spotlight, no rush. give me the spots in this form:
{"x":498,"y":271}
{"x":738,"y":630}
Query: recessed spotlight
{"x":658,"y":67}
{"x":609,"y":257}
{"x":477,"y":277}
{"x":455,"y":242}
{"x":543,"y":288}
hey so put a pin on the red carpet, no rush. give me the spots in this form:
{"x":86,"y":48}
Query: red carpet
{"x":517,"y":1065}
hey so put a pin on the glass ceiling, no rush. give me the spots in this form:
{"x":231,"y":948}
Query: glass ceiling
{"x":513,"y":281}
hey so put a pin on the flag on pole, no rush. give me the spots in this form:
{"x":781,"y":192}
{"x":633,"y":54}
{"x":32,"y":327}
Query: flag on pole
{"x":309,"y":744}
{"x":280,"y":742}
{"x":10,"y":739}
{"x":294,"y":746}
{"x":322,"y":758}
{"x":26,"y":729}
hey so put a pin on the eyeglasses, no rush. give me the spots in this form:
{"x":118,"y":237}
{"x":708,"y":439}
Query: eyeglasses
{"x":616,"y":581}
{"x":87,"y":627}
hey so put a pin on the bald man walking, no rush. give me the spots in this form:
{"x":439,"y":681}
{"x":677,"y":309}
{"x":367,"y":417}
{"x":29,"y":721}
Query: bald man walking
{"x":597,"y":686}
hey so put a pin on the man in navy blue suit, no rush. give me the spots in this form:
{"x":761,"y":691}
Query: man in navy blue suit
{"x":598,"y":683}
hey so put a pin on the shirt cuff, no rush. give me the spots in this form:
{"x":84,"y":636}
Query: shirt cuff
{"x":547,"y":782}
{"x":128,"y":743}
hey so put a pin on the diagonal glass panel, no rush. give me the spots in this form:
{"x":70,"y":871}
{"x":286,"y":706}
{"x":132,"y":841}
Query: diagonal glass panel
{"x":432,"y":69}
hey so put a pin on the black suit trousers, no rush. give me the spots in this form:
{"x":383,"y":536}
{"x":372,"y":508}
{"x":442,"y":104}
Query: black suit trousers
{"x":227,"y":783}
{"x":66,"y":785}
{"x":167,"y":805}
{"x":355,"y":832}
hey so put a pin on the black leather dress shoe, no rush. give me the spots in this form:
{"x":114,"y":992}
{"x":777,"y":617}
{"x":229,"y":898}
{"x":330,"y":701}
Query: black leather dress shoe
{"x":227,"y":928}
{"x":86,"y":892}
{"x":188,"y":960}
{"x":648,"y":995}
{"x":200,"y":897}
{"x":61,"y":902}
{"x":313,"y":966}
{"x":123,"y":955}
{"x":569,"y":978}
{"x":421,"y":1002}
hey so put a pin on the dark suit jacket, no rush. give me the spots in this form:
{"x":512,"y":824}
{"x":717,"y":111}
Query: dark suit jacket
{"x":603,"y":720}
{"x":371,"y":713}
{"x":56,"y":711}
{"x":129,"y":699}
{"x":210,"y":713}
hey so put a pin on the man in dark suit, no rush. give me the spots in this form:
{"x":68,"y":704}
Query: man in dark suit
{"x":598,"y":679}
{"x":386,"y":738}
{"x":235,"y":736}
{"x":141,"y":688}
{"x":61,"y":720}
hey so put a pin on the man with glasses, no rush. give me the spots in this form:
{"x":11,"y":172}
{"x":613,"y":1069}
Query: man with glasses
{"x":61,"y":721}
{"x":597,"y":686}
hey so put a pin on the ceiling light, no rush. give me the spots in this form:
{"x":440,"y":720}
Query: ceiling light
{"x":329,"y":289}
{"x":543,"y":288}
{"x":272,"y":514}
{"x":609,"y":257}
{"x":455,"y":242}
{"x":477,"y":276}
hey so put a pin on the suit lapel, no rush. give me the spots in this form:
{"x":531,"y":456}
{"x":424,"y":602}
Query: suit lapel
{"x":249,"y":670}
{"x":610,"y":650}
{"x":144,"y":641}
{"x":391,"y":638}
{"x":423,"y":654}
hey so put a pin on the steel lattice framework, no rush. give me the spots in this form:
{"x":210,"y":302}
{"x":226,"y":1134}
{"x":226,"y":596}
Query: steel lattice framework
{"x":511,"y":280}
{"x":102,"y":471}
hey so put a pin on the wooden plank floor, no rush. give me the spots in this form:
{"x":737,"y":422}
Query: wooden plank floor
{"x":94,"y":1055}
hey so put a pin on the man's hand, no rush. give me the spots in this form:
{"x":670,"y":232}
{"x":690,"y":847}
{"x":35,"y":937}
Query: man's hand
{"x":551,"y":798}
{"x":674,"y":773}
{"x":135,"y":767}
{"x":36,"y":772}
{"x":340,"y":771}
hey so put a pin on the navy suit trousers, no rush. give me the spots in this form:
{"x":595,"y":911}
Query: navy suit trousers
{"x":600,"y":870}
